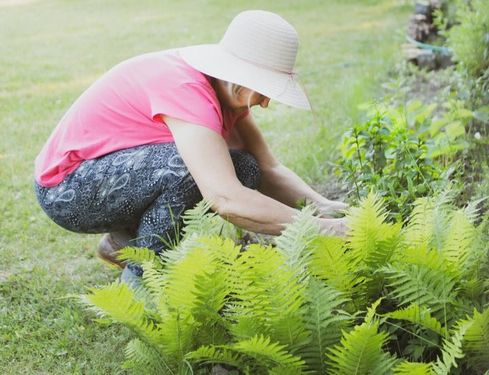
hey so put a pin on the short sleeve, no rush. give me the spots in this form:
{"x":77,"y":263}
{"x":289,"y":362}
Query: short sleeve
{"x":190,"y":102}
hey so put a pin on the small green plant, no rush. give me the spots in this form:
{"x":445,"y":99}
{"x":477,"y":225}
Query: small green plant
{"x":385,"y":300}
{"x":469,"y":37}
{"x":385,"y":155}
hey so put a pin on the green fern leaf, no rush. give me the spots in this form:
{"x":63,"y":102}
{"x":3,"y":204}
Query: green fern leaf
{"x":267,"y":353}
{"x":295,"y":240}
{"x":429,"y":220}
{"x":176,"y":335}
{"x":118,"y":302}
{"x":325,"y":321}
{"x":181,"y":278}
{"x":212,"y":293}
{"x":144,"y":359}
{"x":476,"y":341}
{"x":198,"y":221}
{"x":360,"y":352}
{"x":371,"y":239}
{"x":413,"y":368}
{"x":412,"y":283}
{"x":459,"y":240}
{"x":139,"y":255}
{"x":419,"y":315}
{"x":451,"y":351}
{"x":155,"y":283}
{"x":365,"y":225}
{"x":268,"y":296}
{"x":211,"y":354}
{"x":332,"y":263}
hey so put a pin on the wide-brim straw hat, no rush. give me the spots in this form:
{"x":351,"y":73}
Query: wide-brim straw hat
{"x":258,"y":51}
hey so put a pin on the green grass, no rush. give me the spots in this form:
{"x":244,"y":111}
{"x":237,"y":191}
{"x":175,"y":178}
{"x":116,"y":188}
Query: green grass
{"x":50,"y":51}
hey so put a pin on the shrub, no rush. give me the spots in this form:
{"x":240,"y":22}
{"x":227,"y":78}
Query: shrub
{"x":469,"y":38}
{"x":385,"y":300}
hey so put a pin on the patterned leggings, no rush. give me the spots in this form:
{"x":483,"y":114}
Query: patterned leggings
{"x":141,"y":191}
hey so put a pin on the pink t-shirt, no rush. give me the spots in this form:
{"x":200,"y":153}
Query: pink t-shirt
{"x":124,"y":108}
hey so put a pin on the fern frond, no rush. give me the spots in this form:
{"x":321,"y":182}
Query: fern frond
{"x":155,"y":283}
{"x":117,"y":301}
{"x":365,"y":225}
{"x":372,"y":240}
{"x":212,"y":293}
{"x":198,"y":221}
{"x":267,"y":353}
{"x":428,"y":223}
{"x":451,"y":351}
{"x":419,"y":315}
{"x":413,"y":368}
{"x":181,"y":278}
{"x":325,"y":321}
{"x":332,"y":263}
{"x":412,"y":283}
{"x":139,"y":255}
{"x":459,"y":240}
{"x":145,"y":359}
{"x":360,"y":352}
{"x":216,"y":354}
{"x":176,"y":334}
{"x":476,"y":341}
{"x":268,"y":296}
{"x":294,"y":242}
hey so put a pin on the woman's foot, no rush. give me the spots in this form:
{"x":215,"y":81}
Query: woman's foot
{"x":109,"y":246}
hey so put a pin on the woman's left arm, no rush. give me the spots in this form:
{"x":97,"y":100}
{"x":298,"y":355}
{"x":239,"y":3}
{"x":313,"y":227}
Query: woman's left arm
{"x":278,"y":181}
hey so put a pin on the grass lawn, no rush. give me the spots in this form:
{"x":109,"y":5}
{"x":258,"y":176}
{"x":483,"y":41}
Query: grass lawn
{"x":50,"y":51}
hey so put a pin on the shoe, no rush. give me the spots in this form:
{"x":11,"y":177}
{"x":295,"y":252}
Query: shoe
{"x":131,"y":278}
{"x":109,"y":246}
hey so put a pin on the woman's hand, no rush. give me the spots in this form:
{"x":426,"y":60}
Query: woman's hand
{"x":329,"y":209}
{"x":333,"y":227}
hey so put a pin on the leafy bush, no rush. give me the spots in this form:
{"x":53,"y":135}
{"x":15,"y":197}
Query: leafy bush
{"x":469,"y":39}
{"x":385,"y":300}
{"x":384,"y":154}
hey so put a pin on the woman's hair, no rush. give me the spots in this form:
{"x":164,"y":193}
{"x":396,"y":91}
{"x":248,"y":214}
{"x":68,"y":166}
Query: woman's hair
{"x":234,"y":90}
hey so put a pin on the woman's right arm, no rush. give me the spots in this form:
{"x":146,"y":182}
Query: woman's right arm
{"x":207,"y":158}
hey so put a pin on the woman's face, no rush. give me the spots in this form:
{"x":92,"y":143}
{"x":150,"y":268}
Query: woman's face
{"x":238,"y":98}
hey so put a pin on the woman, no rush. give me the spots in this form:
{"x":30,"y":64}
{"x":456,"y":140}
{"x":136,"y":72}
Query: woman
{"x":160,"y":131}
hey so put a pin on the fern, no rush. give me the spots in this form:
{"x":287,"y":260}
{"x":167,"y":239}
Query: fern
{"x":155,"y":283}
{"x":451,"y":351}
{"x":268,"y":296}
{"x":373,"y":243}
{"x":144,"y":359}
{"x":117,"y":301}
{"x":332,"y":263}
{"x":460,"y":237}
{"x":181,"y":278}
{"x":324,"y":320}
{"x":281,"y":310}
{"x":419,"y":315}
{"x":198,"y":221}
{"x":413,"y":368}
{"x":429,"y":220}
{"x":412,"y":283}
{"x":140,"y":255}
{"x":211,"y":354}
{"x":295,"y":240}
{"x":367,"y":229}
{"x":360,"y":352}
{"x":254,"y":355}
{"x":267,"y":353}
{"x":212,"y":293}
{"x":476,"y":341}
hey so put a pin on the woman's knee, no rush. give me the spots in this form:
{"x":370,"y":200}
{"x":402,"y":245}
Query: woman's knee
{"x":246,"y":168}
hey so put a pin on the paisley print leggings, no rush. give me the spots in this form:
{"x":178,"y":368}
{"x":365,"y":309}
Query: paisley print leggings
{"x":142,"y":191}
